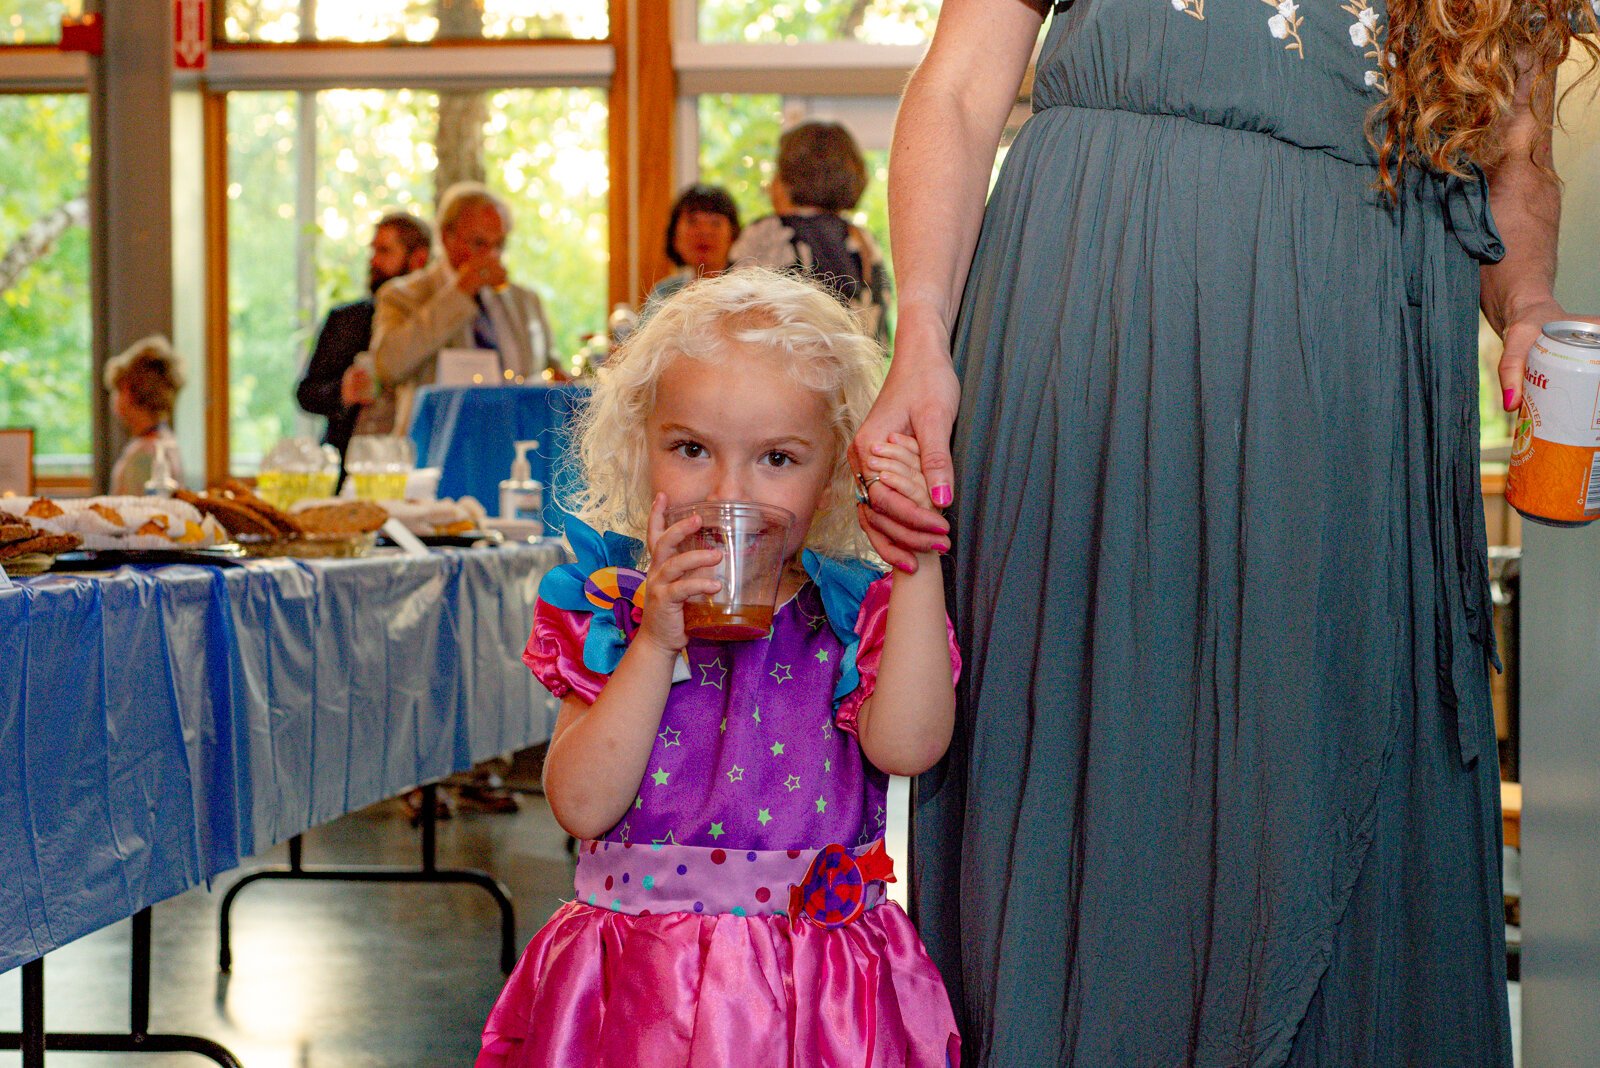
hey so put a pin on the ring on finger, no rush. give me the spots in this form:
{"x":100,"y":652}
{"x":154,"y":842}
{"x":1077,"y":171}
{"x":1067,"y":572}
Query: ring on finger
{"x":864,"y":485}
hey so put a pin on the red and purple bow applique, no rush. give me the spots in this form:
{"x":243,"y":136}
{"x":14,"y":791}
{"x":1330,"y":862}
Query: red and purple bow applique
{"x":834,"y":890}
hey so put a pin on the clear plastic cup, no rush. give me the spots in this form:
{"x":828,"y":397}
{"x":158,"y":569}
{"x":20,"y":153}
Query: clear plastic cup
{"x":751,"y":538}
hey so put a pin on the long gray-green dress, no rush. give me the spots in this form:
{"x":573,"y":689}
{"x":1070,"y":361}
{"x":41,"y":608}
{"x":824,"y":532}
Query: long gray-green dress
{"x":1224,"y":788}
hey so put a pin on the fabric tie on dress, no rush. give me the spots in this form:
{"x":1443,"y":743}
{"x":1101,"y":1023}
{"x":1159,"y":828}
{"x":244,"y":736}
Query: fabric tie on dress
{"x":1445,"y":216}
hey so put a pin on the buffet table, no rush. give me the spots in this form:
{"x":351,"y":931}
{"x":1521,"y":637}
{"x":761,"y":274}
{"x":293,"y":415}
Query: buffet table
{"x":159,"y":726}
{"x":468,"y":433}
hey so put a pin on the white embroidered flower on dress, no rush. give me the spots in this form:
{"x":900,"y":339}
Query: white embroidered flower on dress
{"x":1367,"y":32}
{"x":1284,"y":25}
{"x":1193,"y":8}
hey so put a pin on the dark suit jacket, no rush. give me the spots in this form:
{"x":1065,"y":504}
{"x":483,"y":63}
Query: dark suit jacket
{"x":344,"y":335}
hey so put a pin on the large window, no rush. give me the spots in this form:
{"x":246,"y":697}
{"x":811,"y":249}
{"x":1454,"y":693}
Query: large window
{"x":309,"y":175}
{"x":44,"y":276}
{"x":739,"y":148}
{"x":792,"y":21}
{"x":412,"y":20}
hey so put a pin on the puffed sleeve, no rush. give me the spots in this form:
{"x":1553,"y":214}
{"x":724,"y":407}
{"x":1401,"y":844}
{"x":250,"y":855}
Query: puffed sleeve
{"x":555,"y":652}
{"x":870,"y":625}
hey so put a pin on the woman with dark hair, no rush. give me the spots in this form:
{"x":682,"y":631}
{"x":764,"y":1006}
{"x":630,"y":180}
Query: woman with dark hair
{"x":1223,"y":789}
{"x":702,"y":228}
{"x":821,"y":176}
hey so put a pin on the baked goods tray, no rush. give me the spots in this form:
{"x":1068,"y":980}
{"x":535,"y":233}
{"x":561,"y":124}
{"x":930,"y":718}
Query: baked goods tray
{"x":225,"y":555}
{"x":308,"y":546}
{"x":452,"y":541}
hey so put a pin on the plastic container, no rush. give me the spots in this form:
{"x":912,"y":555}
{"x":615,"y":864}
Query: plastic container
{"x":752,"y":538}
{"x":521,"y":495}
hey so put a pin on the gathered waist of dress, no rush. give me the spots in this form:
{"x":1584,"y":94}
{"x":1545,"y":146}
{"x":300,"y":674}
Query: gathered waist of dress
{"x":1222,"y":122}
{"x":646,"y":879}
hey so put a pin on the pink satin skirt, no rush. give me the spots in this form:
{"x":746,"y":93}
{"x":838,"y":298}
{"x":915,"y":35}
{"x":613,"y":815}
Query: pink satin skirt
{"x":598,"y":988}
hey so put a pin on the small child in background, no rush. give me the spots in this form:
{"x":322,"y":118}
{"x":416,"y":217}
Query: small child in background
{"x":821,"y":176}
{"x":730,"y":795}
{"x":144,"y":381}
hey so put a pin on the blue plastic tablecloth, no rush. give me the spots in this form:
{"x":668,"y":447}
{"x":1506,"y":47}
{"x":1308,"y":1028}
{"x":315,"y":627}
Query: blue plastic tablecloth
{"x":468,"y":433}
{"x":157,"y":727}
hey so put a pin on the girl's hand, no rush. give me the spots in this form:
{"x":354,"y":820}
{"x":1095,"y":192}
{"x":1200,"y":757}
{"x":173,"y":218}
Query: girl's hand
{"x":1520,"y":335}
{"x":918,"y":400}
{"x":898,"y":464}
{"x":674,"y":578}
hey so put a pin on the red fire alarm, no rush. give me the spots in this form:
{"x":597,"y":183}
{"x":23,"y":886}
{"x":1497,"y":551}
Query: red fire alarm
{"x":83,"y":33}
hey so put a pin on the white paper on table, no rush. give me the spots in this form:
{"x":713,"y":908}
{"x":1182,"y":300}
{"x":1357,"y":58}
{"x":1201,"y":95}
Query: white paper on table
{"x":468,"y":367}
{"x":5,"y":579}
{"x":404,"y":538}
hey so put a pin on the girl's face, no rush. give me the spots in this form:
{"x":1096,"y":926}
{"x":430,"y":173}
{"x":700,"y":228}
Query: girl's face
{"x":741,"y":430}
{"x":703,"y":239}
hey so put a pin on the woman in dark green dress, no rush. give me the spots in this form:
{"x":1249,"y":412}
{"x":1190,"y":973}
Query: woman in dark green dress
{"x":1224,"y":790}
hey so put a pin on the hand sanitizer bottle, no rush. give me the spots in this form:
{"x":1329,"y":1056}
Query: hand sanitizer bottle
{"x":161,"y":483}
{"x":520,"y":496}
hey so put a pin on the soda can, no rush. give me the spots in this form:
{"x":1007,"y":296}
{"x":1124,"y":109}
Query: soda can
{"x":1555,"y":454}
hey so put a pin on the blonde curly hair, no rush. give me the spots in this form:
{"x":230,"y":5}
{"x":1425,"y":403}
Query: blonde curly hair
{"x":751,"y":310}
{"x":1452,"y":67}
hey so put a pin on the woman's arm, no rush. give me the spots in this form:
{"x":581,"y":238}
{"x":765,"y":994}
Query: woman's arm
{"x":945,"y":138}
{"x":1518,"y":295}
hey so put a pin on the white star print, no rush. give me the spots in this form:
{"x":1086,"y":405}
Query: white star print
{"x":669,"y":738}
{"x":785,"y":677}
{"x":668,"y":840}
{"x":792,"y":783}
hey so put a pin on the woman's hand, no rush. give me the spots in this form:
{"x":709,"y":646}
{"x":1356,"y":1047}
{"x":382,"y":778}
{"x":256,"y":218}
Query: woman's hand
{"x":918,"y":401}
{"x":674,"y":578}
{"x":1520,"y":334}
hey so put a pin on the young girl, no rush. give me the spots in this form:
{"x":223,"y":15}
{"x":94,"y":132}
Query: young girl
{"x":144,"y":381}
{"x":708,"y":778}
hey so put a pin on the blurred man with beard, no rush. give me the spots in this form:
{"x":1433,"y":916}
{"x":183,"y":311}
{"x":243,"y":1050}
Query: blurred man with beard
{"x":333,"y":385}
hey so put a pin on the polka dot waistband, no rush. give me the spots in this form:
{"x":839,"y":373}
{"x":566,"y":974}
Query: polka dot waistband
{"x":650,"y":879}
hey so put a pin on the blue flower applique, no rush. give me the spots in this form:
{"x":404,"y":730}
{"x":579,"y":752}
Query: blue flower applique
{"x":605,"y":583}
{"x":843,"y":586}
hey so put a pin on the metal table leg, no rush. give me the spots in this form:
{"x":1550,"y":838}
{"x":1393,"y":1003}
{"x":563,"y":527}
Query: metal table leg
{"x":429,"y":872}
{"x":34,"y":1040}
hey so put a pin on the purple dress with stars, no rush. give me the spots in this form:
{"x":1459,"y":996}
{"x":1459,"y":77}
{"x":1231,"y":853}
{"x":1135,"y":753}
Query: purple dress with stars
{"x":748,"y":756}
{"x":705,"y":931}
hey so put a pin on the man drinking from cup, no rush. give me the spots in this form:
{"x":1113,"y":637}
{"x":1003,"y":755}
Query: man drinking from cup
{"x":463,"y":300}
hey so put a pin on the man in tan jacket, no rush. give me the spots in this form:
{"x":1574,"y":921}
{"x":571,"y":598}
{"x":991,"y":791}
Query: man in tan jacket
{"x":463,"y":299}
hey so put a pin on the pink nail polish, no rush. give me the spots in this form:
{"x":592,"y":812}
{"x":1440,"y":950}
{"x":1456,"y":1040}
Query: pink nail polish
{"x":942,"y":496}
{"x":1510,"y":395}
{"x":942,"y":547}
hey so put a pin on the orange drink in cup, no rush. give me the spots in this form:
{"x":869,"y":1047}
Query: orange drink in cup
{"x":751,"y":538}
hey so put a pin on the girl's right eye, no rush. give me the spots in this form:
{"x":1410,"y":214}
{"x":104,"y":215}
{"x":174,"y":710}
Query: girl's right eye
{"x":689,"y":450}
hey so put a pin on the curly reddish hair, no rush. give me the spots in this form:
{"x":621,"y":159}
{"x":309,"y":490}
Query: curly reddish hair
{"x":1452,"y":68}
